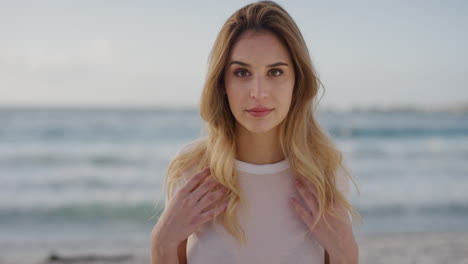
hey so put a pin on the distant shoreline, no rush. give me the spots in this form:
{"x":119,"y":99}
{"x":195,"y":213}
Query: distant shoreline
{"x":457,"y":108}
{"x":462,"y":108}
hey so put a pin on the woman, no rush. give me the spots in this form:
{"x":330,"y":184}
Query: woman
{"x":232,"y":196}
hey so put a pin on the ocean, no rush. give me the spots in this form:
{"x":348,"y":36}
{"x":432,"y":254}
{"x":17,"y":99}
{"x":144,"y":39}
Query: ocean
{"x":72,"y":178}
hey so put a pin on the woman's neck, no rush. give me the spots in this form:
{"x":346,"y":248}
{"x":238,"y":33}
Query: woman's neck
{"x":259,"y":149}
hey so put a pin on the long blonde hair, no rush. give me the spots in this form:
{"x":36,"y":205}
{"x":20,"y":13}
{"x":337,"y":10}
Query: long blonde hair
{"x":312,"y":155}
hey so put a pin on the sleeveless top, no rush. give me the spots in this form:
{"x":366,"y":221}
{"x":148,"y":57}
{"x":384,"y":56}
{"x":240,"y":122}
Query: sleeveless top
{"x":274,"y":232}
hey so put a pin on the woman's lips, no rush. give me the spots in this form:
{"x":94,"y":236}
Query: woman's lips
{"x":259,"y":113}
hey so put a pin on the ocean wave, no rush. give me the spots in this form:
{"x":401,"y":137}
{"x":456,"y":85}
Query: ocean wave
{"x":142,"y":211}
{"x":448,"y":208}
{"x":61,"y":159}
{"x":404,"y":132}
{"x":145,"y":211}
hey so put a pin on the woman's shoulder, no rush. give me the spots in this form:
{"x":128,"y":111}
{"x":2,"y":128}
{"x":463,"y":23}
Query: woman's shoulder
{"x":189,"y":146}
{"x":179,"y":180}
{"x":343,"y":180}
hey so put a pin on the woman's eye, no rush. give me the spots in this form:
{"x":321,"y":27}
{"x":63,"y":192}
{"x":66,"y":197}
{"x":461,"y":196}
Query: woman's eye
{"x":276,"y":72}
{"x":241,"y":73}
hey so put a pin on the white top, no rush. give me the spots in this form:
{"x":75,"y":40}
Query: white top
{"x":274,"y":231}
{"x":261,"y":169}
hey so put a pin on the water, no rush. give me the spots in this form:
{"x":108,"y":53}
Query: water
{"x":74,"y":175}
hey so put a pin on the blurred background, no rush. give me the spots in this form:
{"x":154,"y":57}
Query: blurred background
{"x":96,"y":97}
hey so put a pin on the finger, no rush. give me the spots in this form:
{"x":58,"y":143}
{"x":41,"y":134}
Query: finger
{"x":208,"y":215}
{"x":308,"y":196}
{"x":195,"y":180}
{"x":191,"y":199}
{"x":209,"y":198}
{"x":202,"y":189}
{"x":305,"y":215}
{"x":310,"y":187}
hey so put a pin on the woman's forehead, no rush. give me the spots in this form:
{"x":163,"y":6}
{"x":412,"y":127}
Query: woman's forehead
{"x":259,"y":47}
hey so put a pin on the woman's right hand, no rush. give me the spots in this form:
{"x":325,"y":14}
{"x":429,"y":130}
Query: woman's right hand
{"x":185,"y":212}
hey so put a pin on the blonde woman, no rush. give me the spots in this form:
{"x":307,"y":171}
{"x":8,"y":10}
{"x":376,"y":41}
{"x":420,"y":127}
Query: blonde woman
{"x":266,"y":184}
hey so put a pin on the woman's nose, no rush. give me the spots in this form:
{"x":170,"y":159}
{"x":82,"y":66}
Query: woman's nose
{"x":258,"y":89}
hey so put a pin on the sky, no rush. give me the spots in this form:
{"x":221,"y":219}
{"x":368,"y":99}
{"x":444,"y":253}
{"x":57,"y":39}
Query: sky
{"x":155,"y":53}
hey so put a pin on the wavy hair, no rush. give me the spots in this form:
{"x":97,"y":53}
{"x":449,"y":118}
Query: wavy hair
{"x":312,"y":155}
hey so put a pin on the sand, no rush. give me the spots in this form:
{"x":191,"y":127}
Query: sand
{"x":427,"y":248}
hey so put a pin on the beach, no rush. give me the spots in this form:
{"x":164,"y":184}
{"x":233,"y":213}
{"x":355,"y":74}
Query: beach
{"x":83,"y":183}
{"x":411,"y":248}
{"x":414,"y":248}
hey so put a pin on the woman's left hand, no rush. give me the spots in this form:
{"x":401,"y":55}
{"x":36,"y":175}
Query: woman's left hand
{"x":338,"y":239}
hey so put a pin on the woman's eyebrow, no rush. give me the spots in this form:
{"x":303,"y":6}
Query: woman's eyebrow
{"x":248,"y":65}
{"x":277,"y":64}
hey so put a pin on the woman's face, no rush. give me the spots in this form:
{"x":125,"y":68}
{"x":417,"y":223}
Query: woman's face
{"x":259,"y":74}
